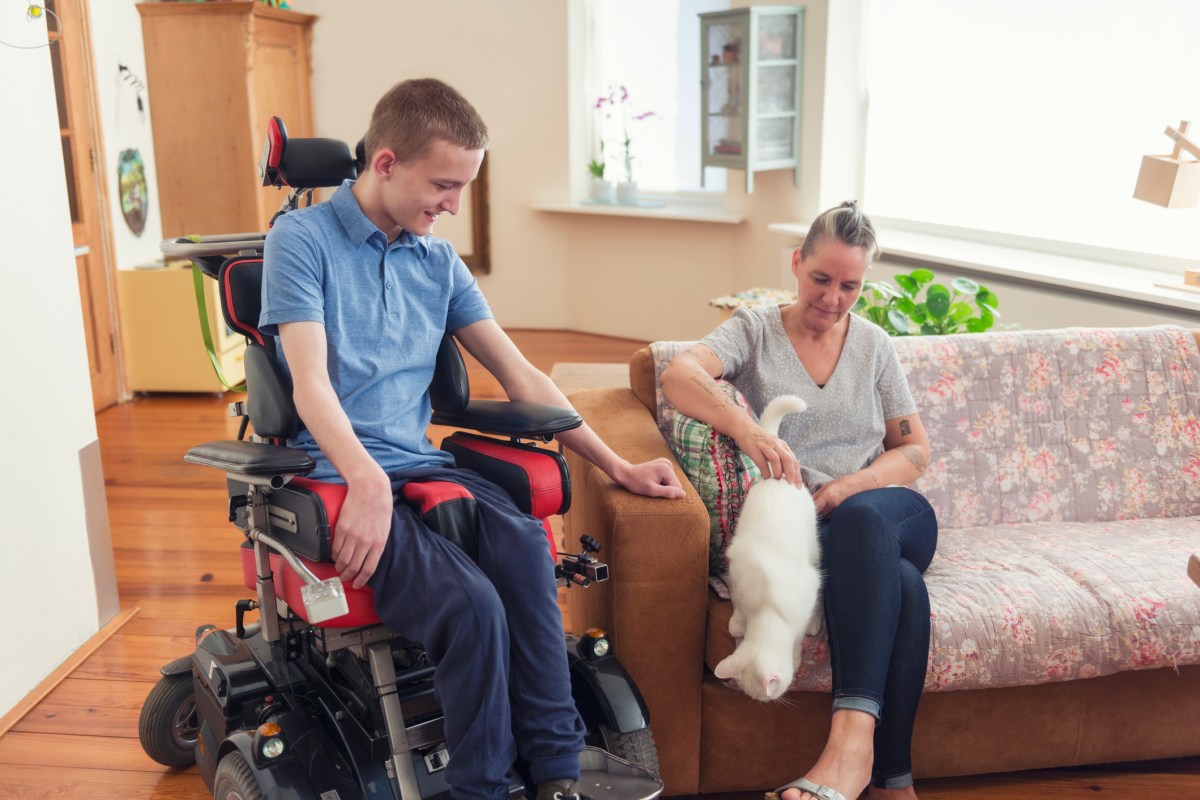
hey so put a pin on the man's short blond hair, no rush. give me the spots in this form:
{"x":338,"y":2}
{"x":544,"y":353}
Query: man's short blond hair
{"x":415,"y":113}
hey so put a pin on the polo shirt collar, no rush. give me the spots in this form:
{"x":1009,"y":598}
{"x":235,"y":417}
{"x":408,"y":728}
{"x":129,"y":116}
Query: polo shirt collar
{"x":359,"y":228}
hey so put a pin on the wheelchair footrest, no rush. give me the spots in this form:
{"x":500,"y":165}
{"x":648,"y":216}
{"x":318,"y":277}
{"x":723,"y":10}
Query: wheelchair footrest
{"x":603,"y":776}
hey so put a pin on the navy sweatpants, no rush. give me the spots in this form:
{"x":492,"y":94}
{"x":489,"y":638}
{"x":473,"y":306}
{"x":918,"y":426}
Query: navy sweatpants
{"x":495,"y":632}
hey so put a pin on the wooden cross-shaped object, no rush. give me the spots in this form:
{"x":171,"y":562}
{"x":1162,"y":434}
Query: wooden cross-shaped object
{"x":1171,"y":180}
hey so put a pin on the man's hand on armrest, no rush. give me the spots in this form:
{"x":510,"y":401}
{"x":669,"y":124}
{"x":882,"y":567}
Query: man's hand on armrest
{"x":488,"y":343}
{"x":651,"y":478}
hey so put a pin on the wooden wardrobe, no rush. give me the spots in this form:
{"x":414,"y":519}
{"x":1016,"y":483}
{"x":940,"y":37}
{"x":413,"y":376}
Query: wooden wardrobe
{"x":216,"y":72}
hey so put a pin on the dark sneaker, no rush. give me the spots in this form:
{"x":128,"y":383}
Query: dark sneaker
{"x":558,"y":790}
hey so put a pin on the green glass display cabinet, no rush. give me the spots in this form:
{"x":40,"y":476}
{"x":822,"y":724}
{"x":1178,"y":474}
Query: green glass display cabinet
{"x":750,"y":89}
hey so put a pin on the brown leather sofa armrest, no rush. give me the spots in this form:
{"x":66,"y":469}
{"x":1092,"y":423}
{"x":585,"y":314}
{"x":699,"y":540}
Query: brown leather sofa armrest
{"x":654,"y":605}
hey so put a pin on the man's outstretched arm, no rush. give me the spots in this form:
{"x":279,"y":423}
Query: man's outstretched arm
{"x":491,"y":346}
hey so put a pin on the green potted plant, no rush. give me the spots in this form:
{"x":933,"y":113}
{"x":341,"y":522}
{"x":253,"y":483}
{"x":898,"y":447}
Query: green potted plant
{"x":918,"y":305}
{"x":603,"y":190}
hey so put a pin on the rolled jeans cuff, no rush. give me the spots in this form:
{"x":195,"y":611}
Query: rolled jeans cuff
{"x":554,"y":768}
{"x":852,"y":702}
{"x":896,"y":782}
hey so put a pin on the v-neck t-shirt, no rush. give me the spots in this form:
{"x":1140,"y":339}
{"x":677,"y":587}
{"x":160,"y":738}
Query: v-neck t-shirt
{"x":843,"y":429}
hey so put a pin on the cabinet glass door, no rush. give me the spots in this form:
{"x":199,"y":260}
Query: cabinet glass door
{"x":724,"y":89}
{"x":775,"y":90}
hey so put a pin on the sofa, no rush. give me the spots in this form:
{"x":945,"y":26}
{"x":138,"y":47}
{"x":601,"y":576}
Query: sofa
{"x":1066,"y":477}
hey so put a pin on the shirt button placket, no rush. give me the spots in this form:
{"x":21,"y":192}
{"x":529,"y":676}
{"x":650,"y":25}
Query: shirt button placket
{"x":388,"y":295}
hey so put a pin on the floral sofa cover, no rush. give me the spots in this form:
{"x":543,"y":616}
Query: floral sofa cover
{"x":1066,"y":477}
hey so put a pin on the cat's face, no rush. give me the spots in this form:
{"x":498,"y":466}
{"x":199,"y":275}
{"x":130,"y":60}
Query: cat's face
{"x":763,"y":677}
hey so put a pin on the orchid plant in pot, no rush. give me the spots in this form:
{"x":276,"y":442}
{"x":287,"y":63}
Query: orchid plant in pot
{"x":608,"y":105}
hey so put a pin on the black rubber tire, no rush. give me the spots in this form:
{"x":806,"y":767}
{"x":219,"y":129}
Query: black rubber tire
{"x":233,"y":780}
{"x":168,"y":727}
{"x":635,"y":746}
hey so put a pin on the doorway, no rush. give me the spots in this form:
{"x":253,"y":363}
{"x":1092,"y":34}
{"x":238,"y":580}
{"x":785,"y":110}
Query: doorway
{"x":79,"y":129}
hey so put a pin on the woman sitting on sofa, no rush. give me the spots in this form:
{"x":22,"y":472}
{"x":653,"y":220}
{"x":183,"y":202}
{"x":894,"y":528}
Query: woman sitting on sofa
{"x":856,"y":447}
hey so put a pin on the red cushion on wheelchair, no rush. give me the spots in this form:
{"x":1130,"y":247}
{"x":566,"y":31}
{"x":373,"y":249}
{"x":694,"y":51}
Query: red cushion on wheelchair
{"x":361,"y":602}
{"x":535,"y":477}
{"x":424,"y":495}
{"x":332,"y":495}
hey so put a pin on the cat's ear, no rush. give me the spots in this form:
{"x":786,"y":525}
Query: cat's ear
{"x":728,"y":668}
{"x":770,"y":684}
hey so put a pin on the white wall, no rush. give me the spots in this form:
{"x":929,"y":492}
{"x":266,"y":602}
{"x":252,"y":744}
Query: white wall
{"x":46,"y":584}
{"x":117,"y":39}
{"x":610,"y":275}
{"x":616,"y":276}
{"x":509,"y":60}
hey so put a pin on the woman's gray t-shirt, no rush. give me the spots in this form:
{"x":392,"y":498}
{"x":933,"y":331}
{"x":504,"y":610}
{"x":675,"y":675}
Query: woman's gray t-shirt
{"x":843,"y":429}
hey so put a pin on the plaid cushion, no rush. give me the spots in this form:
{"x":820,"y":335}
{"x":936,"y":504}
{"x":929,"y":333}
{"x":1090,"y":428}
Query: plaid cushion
{"x":720,"y":472}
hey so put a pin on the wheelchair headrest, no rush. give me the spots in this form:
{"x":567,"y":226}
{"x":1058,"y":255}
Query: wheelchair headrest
{"x":303,"y":163}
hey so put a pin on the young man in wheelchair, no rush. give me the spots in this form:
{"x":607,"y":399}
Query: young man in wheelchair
{"x":360,"y":294}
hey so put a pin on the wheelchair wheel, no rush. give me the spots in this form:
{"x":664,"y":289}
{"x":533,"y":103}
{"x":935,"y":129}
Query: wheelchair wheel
{"x":635,"y":746}
{"x":168,"y":726}
{"x":234,"y":780}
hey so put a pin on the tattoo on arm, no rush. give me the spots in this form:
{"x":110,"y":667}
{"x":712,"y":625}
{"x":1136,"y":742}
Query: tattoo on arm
{"x":905,"y":428}
{"x":914,"y":456}
{"x":709,"y":386}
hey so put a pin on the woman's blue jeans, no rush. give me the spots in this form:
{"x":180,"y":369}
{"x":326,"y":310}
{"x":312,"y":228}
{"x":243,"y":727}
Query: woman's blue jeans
{"x":874,"y":548}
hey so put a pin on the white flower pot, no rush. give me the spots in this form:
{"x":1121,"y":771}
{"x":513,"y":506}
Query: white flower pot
{"x":604,"y":191}
{"x":627,"y":193}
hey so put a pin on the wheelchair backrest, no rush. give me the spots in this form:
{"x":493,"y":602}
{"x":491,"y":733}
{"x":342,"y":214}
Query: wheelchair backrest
{"x":302,"y":165}
{"x":269,"y":388}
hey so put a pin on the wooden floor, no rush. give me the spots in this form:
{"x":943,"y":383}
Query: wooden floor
{"x":177,"y":562}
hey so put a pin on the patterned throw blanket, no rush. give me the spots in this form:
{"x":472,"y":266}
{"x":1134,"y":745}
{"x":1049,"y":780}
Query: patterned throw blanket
{"x":1066,"y":477}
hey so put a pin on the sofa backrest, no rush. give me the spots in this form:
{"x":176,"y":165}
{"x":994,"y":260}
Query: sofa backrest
{"x":1059,"y":425}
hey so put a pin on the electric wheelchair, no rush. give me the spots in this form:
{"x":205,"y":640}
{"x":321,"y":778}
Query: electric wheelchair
{"x":317,"y":698}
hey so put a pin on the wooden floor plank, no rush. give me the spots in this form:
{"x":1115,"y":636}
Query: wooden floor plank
{"x":177,"y":560}
{"x":87,"y":752}
{"x":88,"y":707}
{"x":68,"y":782}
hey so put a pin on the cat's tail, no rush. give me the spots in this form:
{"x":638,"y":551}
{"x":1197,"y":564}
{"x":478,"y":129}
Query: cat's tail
{"x":777,"y":409}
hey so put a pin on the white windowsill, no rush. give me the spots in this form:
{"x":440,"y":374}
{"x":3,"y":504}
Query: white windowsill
{"x":1078,"y":274}
{"x":685,"y":212}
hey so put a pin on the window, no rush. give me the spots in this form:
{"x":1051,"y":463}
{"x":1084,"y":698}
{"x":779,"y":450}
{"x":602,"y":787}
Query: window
{"x":652,"y":49}
{"x":1030,"y":118}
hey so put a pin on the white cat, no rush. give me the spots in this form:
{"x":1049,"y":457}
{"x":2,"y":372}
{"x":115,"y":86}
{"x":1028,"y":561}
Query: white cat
{"x":774,"y":577}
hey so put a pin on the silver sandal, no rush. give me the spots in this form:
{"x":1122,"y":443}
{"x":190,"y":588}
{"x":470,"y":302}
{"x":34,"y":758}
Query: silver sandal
{"x":805,"y":785}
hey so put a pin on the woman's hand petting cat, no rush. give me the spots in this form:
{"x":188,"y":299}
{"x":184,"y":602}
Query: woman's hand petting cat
{"x":832,"y":494}
{"x":772,"y":455}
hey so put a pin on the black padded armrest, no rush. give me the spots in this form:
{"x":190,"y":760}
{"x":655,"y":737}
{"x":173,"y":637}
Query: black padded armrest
{"x":250,"y":458}
{"x":511,"y":418}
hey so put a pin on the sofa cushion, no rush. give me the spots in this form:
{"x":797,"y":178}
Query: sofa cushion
{"x":1016,"y":605}
{"x":721,"y":474}
{"x":1065,"y":425}
{"x":1061,"y":425}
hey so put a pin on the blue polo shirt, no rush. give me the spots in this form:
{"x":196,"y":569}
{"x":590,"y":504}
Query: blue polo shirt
{"x":384,"y":308}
